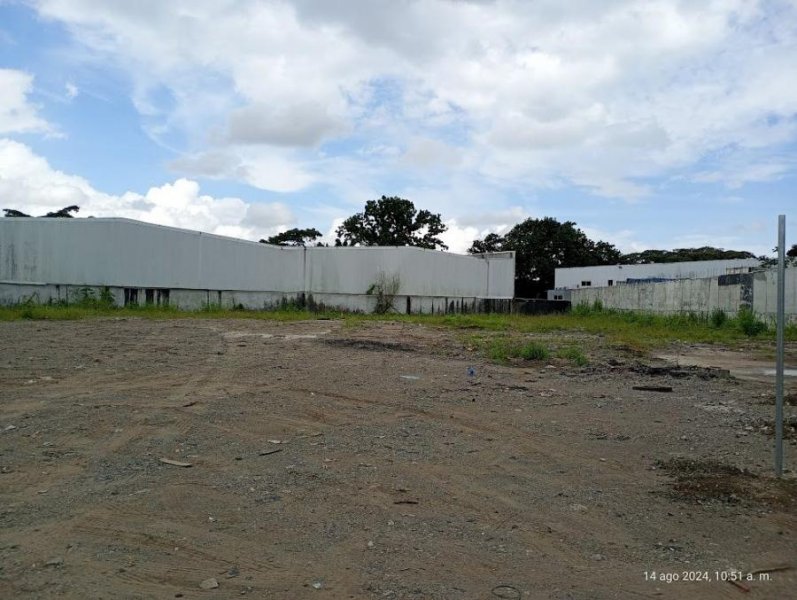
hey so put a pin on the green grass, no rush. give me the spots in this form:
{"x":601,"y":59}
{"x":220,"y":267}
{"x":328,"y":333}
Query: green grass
{"x":574,"y":355}
{"x":633,"y":330}
{"x":637,"y":331}
{"x":81,"y":311}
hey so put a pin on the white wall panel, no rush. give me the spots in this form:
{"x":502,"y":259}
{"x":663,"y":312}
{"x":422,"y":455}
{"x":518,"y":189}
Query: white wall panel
{"x":126,"y":253}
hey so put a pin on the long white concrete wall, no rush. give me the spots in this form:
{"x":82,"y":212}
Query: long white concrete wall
{"x":120,"y":253}
{"x":600,"y":276}
{"x":126,"y":253}
{"x":755,"y":290}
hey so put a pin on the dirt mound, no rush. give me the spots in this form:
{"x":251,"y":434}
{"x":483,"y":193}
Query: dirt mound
{"x":703,"y":481}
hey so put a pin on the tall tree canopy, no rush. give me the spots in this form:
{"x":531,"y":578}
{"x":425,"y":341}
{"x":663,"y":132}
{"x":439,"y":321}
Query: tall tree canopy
{"x":12,"y":212}
{"x":542,"y":246}
{"x":392,"y":221}
{"x":64,"y":213}
{"x":683,"y":255}
{"x":294,"y":237}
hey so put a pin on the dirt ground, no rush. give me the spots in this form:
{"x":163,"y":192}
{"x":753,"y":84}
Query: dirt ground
{"x":338,"y":461}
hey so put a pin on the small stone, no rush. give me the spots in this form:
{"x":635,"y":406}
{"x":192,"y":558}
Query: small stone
{"x":54,"y":562}
{"x":370,"y":544}
{"x":10,"y":428}
{"x":597,"y":557}
{"x":209,"y":584}
{"x":578,"y":507}
{"x":317,"y":585}
{"x":233,"y":572}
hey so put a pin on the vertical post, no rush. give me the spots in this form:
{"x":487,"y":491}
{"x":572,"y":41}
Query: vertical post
{"x":779,"y":352}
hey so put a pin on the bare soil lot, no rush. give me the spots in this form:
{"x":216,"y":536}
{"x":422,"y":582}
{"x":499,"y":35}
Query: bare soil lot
{"x":364,"y":461}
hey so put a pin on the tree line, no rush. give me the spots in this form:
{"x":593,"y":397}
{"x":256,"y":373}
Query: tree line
{"x":540,"y":245}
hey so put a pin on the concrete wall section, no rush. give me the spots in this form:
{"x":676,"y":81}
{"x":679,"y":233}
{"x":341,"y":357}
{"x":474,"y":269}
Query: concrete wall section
{"x":765,"y":299}
{"x":728,"y":293}
{"x":420,"y":272}
{"x":572,"y":278}
{"x":500,"y":271}
{"x":121,"y":252}
{"x":141,"y":263}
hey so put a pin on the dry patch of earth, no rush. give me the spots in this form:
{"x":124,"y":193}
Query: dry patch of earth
{"x":229,"y":458}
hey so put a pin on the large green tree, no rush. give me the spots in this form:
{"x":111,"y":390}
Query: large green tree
{"x":294,"y":237}
{"x":13,"y":212}
{"x":392,"y":221}
{"x":683,"y":255}
{"x":64,"y":213}
{"x":542,"y":246}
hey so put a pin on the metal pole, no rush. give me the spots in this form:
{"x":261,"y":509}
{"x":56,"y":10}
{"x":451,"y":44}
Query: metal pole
{"x":780,"y":327}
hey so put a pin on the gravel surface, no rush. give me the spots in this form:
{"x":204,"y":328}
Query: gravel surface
{"x":322,"y":460}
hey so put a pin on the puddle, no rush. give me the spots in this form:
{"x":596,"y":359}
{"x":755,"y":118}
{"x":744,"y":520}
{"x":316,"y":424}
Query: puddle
{"x":740,"y":365}
{"x":786,"y":372}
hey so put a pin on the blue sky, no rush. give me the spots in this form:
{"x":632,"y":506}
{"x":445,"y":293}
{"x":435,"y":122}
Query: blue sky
{"x":650,"y":124}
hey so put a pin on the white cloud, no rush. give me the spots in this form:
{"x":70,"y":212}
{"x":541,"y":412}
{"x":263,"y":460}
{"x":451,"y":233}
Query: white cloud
{"x":260,"y":167}
{"x":17,"y":114}
{"x":603,"y":95}
{"x":71,"y":90}
{"x":28,"y":183}
{"x":426,"y":153}
{"x":302,"y":124}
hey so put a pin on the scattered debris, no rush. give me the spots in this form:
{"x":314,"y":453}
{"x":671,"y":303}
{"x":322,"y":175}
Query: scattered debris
{"x":506,"y":592}
{"x":702,"y":481}
{"x":653,"y":388}
{"x":233,"y":572}
{"x":677,"y":372}
{"x":369,"y":345}
{"x":175,"y":463}
{"x":209,"y":584}
{"x":267,"y":452}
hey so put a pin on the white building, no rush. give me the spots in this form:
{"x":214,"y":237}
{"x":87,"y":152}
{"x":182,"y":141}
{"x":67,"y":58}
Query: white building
{"x":609,"y":275}
{"x":55,"y":260}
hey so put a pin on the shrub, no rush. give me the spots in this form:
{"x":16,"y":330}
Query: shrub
{"x":533,"y":351}
{"x":575,"y":355}
{"x":498,"y":350}
{"x":749,"y":323}
{"x":581,"y":310}
{"x":385,"y":289}
{"x":718,"y":318}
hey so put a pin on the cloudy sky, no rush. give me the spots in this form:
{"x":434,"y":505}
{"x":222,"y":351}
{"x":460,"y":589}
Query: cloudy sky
{"x":650,"y":123}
